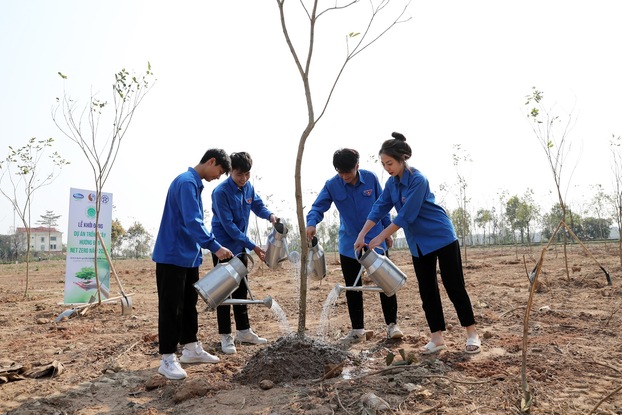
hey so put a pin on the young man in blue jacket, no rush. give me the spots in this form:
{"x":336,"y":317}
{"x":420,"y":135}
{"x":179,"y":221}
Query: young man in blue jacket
{"x":354,"y":191}
{"x":177,"y":254}
{"x":232,"y":202}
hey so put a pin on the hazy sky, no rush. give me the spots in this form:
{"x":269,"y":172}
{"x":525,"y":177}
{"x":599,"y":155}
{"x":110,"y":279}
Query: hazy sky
{"x":456,"y":73}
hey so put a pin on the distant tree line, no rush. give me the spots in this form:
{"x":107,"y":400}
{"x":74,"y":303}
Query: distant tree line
{"x":135,"y":242}
{"x":517,"y":221}
{"x":520,"y":221}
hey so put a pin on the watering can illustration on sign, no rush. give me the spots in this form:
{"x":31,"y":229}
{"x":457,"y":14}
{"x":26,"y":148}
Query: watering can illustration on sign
{"x":316,"y":262}
{"x":218,"y":284}
{"x":276,"y":250}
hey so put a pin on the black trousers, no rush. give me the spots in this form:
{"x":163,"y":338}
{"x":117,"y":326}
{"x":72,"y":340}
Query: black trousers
{"x":240,"y":311}
{"x":350,"y":268}
{"x":450,"y":264}
{"x":177,"y":306}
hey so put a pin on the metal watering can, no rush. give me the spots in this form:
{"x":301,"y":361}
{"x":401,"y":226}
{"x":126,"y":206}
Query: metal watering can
{"x":382,"y":271}
{"x":218,"y":284}
{"x":316,"y":262}
{"x":276,"y":250}
{"x":387,"y":276}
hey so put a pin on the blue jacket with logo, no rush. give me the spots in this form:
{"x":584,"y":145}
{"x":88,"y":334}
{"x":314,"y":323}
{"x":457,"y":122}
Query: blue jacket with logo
{"x":426,"y":224}
{"x":354,"y":203}
{"x":231,"y":208}
{"x":182,"y":232}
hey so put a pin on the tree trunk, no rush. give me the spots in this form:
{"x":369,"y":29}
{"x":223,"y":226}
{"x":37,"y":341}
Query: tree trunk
{"x":304,"y":248}
{"x":27,"y":260}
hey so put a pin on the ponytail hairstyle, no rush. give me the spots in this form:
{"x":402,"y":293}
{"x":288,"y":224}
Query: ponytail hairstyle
{"x":396,"y":148}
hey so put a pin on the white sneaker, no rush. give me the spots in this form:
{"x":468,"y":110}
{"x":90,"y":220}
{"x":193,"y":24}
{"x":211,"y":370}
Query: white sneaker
{"x":170,"y":368}
{"x":355,"y":336}
{"x":226,"y":343}
{"x":194,"y":353}
{"x":249,"y":336}
{"x":394,"y":332}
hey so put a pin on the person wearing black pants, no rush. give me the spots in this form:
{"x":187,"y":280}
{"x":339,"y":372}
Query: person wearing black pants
{"x":177,"y":325}
{"x":177,"y":254}
{"x":240,"y":311}
{"x":431,"y":238}
{"x":232,"y":203}
{"x":353,"y":191}
{"x":452,"y":276}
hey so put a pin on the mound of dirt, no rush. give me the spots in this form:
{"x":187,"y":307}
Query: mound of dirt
{"x":291,"y":358}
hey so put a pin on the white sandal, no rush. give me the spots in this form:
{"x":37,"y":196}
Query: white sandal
{"x":431,"y":348}
{"x":473,"y":341}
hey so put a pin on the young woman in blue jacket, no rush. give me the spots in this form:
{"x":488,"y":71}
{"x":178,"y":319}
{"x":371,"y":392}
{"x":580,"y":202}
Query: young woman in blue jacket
{"x":431,"y":238}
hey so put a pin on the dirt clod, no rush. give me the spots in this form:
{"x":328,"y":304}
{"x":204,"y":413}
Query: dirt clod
{"x":266,"y":384}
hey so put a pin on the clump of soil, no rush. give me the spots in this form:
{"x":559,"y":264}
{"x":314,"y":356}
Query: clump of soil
{"x":291,"y":358}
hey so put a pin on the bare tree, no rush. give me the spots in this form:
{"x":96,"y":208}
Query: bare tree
{"x":49,"y":220}
{"x":552,"y":132}
{"x":499,"y":224}
{"x":616,"y":197}
{"x":138,"y":241}
{"x":128,"y":91}
{"x":22,"y":169}
{"x":361,"y":40}
{"x":598,"y":206}
{"x":483,"y":218}
{"x":117,"y":234}
{"x":460,"y":157}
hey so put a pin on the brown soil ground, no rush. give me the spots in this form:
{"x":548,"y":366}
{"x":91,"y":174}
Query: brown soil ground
{"x":109,"y":361}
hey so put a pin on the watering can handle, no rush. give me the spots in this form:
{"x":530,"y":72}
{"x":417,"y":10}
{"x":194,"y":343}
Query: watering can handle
{"x":251,"y":259}
{"x":242,"y":253}
{"x":310,"y":242}
{"x":359,"y":254}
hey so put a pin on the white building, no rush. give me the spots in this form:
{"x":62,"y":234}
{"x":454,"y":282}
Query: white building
{"x":42,"y":239}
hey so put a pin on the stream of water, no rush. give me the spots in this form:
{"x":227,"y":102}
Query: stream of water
{"x":281,"y":317}
{"x":327,"y":309}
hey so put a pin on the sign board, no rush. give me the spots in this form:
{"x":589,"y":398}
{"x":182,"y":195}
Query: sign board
{"x":80,"y":283}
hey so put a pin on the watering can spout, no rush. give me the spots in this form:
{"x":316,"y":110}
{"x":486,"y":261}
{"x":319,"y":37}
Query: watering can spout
{"x":238,"y":301}
{"x":340,"y":288}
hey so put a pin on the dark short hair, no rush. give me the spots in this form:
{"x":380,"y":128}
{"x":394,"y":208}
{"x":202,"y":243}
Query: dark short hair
{"x":241,"y":161}
{"x":396,"y":147}
{"x":345,"y":159}
{"x":221,"y":156}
